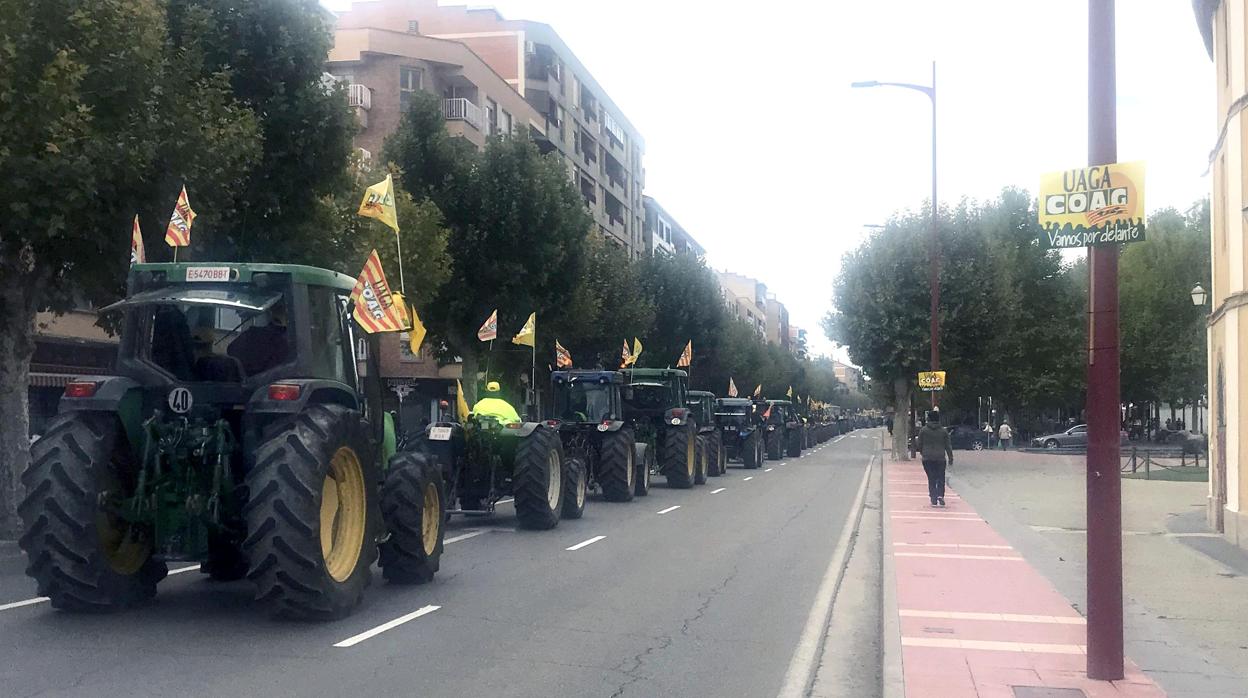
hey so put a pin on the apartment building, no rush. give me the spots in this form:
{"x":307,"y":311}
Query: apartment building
{"x":1223,"y":25}
{"x":778,"y":323}
{"x":601,"y":148}
{"x":849,"y":376}
{"x":662,"y":234}
{"x":745,"y":298}
{"x":384,"y":68}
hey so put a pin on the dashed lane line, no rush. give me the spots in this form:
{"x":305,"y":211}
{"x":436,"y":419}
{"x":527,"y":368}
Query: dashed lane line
{"x":767,"y":470}
{"x":43,"y":599}
{"x":465,"y":536}
{"x":718,"y":490}
{"x":357,"y":639}
{"x":180,"y":570}
{"x":669,"y":509}
{"x":747,"y":479}
{"x":584,"y":543}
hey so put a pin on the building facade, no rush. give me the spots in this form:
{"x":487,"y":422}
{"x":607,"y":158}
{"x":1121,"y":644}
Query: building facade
{"x":1224,"y":26}
{"x":663,"y":234}
{"x":745,"y":298}
{"x":777,"y":323}
{"x":602,"y":150}
{"x":384,"y":68}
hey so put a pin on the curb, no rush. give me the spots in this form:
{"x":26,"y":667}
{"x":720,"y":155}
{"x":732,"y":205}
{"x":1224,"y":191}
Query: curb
{"x":892,"y":680}
{"x":800,"y":676}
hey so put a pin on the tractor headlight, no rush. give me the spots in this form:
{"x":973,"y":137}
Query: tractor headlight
{"x":675,"y":421}
{"x":771,"y":427}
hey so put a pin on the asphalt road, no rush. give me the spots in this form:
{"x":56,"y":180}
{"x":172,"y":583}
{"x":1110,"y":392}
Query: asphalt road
{"x":709,"y":598}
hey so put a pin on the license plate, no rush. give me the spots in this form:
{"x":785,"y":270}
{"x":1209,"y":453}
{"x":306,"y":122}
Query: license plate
{"x":208,"y":274}
{"x":439,"y":433}
{"x":731,"y":428}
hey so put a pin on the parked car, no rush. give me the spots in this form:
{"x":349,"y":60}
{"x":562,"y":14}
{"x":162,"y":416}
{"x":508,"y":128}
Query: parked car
{"x":969,"y":437}
{"x":1074,"y":437}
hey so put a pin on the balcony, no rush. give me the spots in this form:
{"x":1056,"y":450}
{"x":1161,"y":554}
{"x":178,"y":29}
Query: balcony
{"x":460,"y":109}
{"x":359,"y":96}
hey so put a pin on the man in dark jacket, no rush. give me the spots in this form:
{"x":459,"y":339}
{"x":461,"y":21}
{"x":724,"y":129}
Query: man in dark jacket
{"x":934,"y":444}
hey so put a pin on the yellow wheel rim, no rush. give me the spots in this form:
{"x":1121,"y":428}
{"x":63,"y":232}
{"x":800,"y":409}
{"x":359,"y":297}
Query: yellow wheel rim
{"x":632,"y":464}
{"x":343,"y":507}
{"x":430,"y":518}
{"x":689,"y":455}
{"x":123,"y":547}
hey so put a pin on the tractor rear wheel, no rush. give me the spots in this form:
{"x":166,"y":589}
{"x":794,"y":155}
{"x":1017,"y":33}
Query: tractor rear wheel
{"x":644,"y":466}
{"x":83,"y":557}
{"x":680,"y":456}
{"x":312,"y":515}
{"x":752,"y":450}
{"x":774,"y":451}
{"x":575,"y":487}
{"x":795,"y":443}
{"x":617,"y":466}
{"x":703,"y":457}
{"x":537,"y":482}
{"x":412,"y":506}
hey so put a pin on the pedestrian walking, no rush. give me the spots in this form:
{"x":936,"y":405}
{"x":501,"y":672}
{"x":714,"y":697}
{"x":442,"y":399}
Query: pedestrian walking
{"x":935,"y":445}
{"x":1004,"y":435}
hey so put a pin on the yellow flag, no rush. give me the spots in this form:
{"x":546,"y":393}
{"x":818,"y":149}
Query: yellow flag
{"x":636,"y":350}
{"x":416,"y":335}
{"x":789,"y":392}
{"x":378,"y":203}
{"x":758,"y":391}
{"x":527,"y":334}
{"x":137,"y":255}
{"x":461,"y":405}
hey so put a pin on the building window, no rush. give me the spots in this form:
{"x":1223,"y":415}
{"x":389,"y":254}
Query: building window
{"x":507,"y":123}
{"x":413,"y":27}
{"x":410,"y":80}
{"x":491,"y":116}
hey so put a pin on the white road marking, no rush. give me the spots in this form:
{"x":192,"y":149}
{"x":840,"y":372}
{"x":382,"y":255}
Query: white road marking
{"x":180,"y":570}
{"x":27,"y":602}
{"x":952,"y":545}
{"x":506,"y":501}
{"x":1027,"y":647}
{"x":718,"y":490}
{"x":357,"y":639}
{"x":806,"y":657}
{"x":584,"y":543}
{"x":1007,"y":617}
{"x":956,"y":556}
{"x":668,"y":509}
{"x":465,"y":536}
{"x":747,"y":479}
{"x":766,"y":470}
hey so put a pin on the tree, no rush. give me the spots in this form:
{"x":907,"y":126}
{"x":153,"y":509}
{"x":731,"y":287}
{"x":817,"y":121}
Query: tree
{"x":109,"y":108}
{"x":612,"y":306}
{"x":1162,"y":332}
{"x":688,"y":308}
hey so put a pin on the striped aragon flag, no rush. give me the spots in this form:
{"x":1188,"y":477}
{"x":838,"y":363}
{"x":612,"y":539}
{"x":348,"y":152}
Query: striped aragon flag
{"x":137,"y":253}
{"x":563,"y":358}
{"x":178,"y":233}
{"x":375,"y":307}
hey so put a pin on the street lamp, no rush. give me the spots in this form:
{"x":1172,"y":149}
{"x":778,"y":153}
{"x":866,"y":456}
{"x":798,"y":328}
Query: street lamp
{"x":1199,"y":295}
{"x":933,"y":241}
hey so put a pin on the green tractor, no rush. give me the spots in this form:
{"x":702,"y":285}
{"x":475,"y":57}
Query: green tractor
{"x":656,"y":405}
{"x":711,"y":457}
{"x":784,"y":430}
{"x":241,"y":432}
{"x":589,"y":416}
{"x":484,"y":460}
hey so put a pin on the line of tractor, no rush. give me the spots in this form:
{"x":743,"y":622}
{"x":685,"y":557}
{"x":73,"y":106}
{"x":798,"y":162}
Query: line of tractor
{"x":240,"y":431}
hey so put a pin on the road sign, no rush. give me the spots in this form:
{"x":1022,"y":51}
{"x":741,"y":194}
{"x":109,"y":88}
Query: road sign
{"x":1098,"y":205}
{"x":930,"y":381}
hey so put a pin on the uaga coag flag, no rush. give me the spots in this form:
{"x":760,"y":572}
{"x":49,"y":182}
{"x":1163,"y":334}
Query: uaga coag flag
{"x":375,"y":307}
{"x":1098,"y":205}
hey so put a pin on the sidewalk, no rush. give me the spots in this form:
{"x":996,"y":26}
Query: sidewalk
{"x":975,"y":618}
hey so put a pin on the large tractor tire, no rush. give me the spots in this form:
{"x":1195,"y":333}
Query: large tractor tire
{"x":537,"y":482}
{"x":313,"y":515}
{"x":702,"y":454}
{"x":412,"y":505}
{"x":774,"y":452}
{"x":680,"y":456}
{"x":617,"y":468}
{"x":83,"y":558}
{"x":643,"y":461}
{"x":719,"y":458}
{"x":795,"y":443}
{"x":752,"y":450}
{"x":575,"y":487}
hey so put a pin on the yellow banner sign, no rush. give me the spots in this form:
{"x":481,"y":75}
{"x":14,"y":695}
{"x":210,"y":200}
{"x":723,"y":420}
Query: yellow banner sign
{"x":931,"y":380}
{"x":1097,"y":205}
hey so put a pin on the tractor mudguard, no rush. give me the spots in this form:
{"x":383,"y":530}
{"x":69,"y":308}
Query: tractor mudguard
{"x":310,"y":391}
{"x":612,"y":426}
{"x":677,"y":416}
{"x":521,"y":431}
{"x":117,"y":394}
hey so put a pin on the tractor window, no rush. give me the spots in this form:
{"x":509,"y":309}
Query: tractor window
{"x":329,"y":347}
{"x":581,"y":401}
{"x":648,"y":396}
{"x":212,"y":343}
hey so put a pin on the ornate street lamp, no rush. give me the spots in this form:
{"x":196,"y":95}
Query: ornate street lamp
{"x":1199,"y":296}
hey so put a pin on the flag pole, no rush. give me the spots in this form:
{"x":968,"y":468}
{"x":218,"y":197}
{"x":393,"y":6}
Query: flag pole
{"x":175,"y":255}
{"x":398,"y":244}
{"x":533,"y":378}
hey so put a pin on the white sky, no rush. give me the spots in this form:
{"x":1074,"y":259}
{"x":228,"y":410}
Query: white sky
{"x":756,"y":143}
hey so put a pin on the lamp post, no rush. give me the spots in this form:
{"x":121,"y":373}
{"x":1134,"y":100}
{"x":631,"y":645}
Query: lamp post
{"x":933,"y":249}
{"x":1199,"y":296}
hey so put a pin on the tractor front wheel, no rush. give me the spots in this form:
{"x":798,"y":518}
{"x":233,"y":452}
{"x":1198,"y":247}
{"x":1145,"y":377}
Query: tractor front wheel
{"x":645,"y":466}
{"x":703,"y":457}
{"x":82,"y":556}
{"x":312,"y":515}
{"x":537,"y":484}
{"x":719,"y":459}
{"x":412,"y":505}
{"x":575,"y":487}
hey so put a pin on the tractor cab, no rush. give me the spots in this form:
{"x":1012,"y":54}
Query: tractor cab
{"x":738,"y":412}
{"x":587,"y":397}
{"x":702,"y":404}
{"x":651,"y":392}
